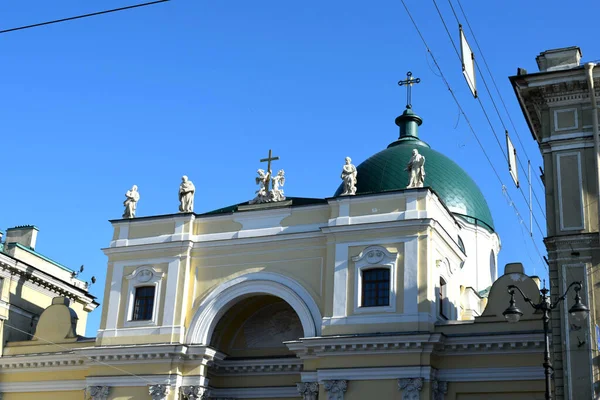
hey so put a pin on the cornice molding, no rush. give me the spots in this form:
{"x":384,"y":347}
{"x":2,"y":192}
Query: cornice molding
{"x":196,"y":355}
{"x":434,"y":343}
{"x":279,"y":366}
{"x":39,"y":280}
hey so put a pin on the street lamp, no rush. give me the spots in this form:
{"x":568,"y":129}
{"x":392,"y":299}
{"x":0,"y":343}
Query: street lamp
{"x":579,"y":311}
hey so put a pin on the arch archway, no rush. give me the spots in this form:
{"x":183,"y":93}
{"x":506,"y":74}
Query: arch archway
{"x":221,"y":299}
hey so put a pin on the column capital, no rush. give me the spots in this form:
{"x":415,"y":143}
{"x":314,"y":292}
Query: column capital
{"x":410,"y":388}
{"x":335,"y":389}
{"x":158,"y":392}
{"x":308,"y":390}
{"x":97,"y":392}
{"x":195,"y":392}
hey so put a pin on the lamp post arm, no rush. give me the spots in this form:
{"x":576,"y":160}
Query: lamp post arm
{"x":527,"y":299}
{"x":564,"y":296}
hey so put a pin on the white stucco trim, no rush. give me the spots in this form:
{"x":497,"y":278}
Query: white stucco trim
{"x":171,"y":292}
{"x":214,"y":306}
{"x":366,"y":261}
{"x":340,"y":275}
{"x":411,"y":272}
{"x":565,"y":110}
{"x":491,"y":374}
{"x":580,"y":188}
{"x":554,"y":147}
{"x":388,"y":318}
{"x":42,"y":386}
{"x":565,"y":326}
{"x":427,"y":373}
{"x":369,"y":374}
{"x":257,"y":392}
{"x":132,"y":381}
{"x":144,"y":276}
{"x":116,"y":285}
{"x":140,"y":331}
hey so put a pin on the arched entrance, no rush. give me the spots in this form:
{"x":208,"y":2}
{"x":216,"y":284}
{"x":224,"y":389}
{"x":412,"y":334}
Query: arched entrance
{"x":230,"y":293}
{"x":257,"y":327}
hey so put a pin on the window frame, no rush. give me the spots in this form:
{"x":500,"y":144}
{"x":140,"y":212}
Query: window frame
{"x":377,"y":282}
{"x":442,"y":294}
{"x":138,"y":296}
{"x":143,"y":276}
{"x":374,"y":257}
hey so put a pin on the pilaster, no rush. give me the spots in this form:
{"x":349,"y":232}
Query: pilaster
{"x":438,"y":390}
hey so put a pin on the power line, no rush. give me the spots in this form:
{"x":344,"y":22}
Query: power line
{"x":83,"y":16}
{"x":460,"y":107}
{"x":494,"y":103}
{"x":80,"y":356}
{"x":487,"y":116}
{"x":493,"y":80}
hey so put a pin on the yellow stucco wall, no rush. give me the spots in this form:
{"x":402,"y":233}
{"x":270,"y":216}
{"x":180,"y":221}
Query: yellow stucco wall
{"x":155,"y":228}
{"x":58,"y":395}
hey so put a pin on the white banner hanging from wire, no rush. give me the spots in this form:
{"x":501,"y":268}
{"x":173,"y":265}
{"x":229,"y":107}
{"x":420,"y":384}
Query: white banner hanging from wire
{"x":468,"y":62}
{"x":512,"y":160}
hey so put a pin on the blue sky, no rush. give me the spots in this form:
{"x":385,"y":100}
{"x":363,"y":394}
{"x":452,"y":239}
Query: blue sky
{"x":205,"y":88}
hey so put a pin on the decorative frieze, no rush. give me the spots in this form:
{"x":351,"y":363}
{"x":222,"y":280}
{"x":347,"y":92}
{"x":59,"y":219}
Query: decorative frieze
{"x":438,"y":390}
{"x":257,"y":367}
{"x":335,"y":389}
{"x":308,"y":390}
{"x":410,"y":388}
{"x":97,"y":392}
{"x":158,"y":392}
{"x":195,"y":392}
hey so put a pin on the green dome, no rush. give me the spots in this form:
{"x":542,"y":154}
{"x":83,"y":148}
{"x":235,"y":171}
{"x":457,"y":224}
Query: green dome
{"x":385,"y":171}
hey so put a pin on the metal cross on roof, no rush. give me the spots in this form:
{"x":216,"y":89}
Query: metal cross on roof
{"x":408,"y":82}
{"x":268,"y":161}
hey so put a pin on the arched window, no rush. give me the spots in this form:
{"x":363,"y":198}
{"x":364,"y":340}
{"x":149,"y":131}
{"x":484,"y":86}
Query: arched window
{"x":144,"y":303}
{"x":493,"y":265}
{"x":461,"y":245}
{"x":443,"y":299}
{"x":376,"y":287}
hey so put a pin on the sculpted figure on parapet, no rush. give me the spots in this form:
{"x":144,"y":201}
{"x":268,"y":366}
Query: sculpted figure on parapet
{"x":186,"y":195}
{"x":349,"y":178}
{"x":131,"y":198}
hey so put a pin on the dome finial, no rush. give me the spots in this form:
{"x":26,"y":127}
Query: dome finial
{"x":408,"y":82}
{"x":409,"y":121}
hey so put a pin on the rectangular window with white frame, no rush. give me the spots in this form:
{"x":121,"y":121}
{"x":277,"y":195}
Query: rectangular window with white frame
{"x":143,"y":297}
{"x":375,"y":280}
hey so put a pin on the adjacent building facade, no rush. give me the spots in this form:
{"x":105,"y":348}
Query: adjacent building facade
{"x":28,"y":283}
{"x":390,"y":292}
{"x":559,"y":105}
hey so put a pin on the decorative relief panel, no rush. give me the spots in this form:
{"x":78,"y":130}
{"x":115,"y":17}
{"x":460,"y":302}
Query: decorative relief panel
{"x":271,"y":326}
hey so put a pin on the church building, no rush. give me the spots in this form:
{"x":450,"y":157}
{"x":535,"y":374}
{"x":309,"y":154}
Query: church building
{"x":388,"y":289}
